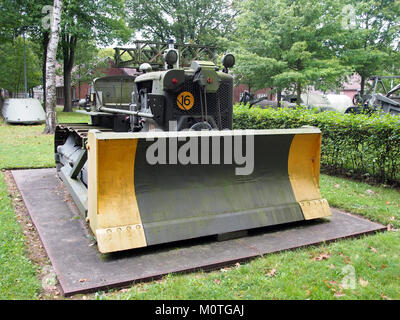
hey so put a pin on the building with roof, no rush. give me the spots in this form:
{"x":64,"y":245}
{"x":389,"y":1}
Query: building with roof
{"x":81,"y":89}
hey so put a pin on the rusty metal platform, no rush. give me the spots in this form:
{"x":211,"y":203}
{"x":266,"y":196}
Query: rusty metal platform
{"x":74,"y":255}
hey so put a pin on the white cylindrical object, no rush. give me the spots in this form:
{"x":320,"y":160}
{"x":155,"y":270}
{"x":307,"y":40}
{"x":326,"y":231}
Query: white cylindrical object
{"x":23,"y":111}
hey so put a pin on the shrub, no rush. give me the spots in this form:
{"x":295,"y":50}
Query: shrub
{"x":360,"y":145}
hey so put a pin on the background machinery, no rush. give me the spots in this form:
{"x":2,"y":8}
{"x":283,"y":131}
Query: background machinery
{"x":159,"y":161}
{"x":387,"y":102}
{"x":320,"y":101}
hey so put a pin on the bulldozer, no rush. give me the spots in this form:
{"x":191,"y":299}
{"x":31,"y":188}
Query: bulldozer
{"x":159,"y":161}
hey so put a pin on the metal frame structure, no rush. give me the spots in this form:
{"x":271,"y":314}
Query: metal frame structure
{"x":378,"y":79}
{"x":152,"y":53}
{"x":387,"y":102}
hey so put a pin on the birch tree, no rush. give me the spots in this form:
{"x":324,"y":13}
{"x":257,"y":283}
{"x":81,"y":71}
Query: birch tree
{"x":51,"y":116}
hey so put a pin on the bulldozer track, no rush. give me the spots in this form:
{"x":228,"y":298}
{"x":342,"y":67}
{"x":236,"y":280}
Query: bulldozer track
{"x":82,"y":129}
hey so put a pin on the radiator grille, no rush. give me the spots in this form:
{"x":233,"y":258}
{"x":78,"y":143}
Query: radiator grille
{"x":224,"y":95}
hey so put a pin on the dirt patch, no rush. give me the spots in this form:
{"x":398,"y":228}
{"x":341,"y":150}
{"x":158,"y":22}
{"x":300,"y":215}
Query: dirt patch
{"x":51,"y":289}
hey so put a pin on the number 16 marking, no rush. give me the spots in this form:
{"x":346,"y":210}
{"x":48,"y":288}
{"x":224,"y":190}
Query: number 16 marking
{"x":185,"y":101}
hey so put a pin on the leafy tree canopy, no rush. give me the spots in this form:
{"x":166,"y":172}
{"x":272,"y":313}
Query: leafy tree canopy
{"x":368,"y":41}
{"x":101,"y":21}
{"x":12,"y":66}
{"x":199,"y":22}
{"x":281,"y":44}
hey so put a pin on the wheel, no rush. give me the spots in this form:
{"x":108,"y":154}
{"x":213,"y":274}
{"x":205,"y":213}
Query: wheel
{"x":201,"y":126}
{"x":353,"y":110}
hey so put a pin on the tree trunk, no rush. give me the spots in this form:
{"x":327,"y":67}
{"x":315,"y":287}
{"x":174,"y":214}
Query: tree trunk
{"x":79,"y":83}
{"x":67,"y":92}
{"x":298,"y":93}
{"x":45,"y":45}
{"x":279,"y":97}
{"x":362,"y":86}
{"x":69,"y":45}
{"x":51,"y":116}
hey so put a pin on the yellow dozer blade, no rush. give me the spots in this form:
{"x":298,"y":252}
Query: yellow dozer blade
{"x":157,"y":187}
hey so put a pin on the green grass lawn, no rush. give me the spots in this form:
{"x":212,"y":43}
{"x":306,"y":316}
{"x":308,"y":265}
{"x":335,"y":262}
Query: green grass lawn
{"x":17,"y":273}
{"x":365,"y":268}
{"x":23,"y":146}
{"x":297,"y":274}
